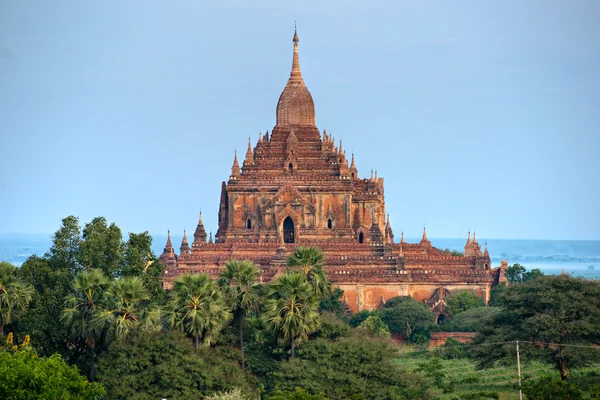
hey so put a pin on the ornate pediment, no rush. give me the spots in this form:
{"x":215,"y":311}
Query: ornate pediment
{"x":288,"y":194}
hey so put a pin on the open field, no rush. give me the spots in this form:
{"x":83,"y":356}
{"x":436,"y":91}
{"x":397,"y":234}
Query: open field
{"x":461,"y":377}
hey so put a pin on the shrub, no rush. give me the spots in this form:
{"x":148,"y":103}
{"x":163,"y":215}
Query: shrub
{"x":548,"y":387}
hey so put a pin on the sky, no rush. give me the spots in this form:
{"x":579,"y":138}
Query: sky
{"x":479,"y":115}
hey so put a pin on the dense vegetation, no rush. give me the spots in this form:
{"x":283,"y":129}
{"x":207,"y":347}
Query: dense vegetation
{"x":93,"y":312}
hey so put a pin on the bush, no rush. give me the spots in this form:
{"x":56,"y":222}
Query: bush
{"x":375,"y":327}
{"x":24,"y":375}
{"x":548,"y":387}
{"x":297,"y":394}
{"x":462,"y":301}
{"x":357,"y":318}
{"x":355,"y":367}
{"x":165,"y":365}
{"x":332,"y":327}
{"x":473,"y":320}
{"x":408,"y":316}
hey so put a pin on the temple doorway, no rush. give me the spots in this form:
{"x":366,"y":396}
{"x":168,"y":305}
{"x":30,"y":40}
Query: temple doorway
{"x":361,"y":238}
{"x":288,"y":230}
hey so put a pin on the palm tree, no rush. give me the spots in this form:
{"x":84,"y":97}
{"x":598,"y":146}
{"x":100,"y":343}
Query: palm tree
{"x":82,"y":306}
{"x":14,"y":295}
{"x":198,"y":307}
{"x":125,"y":307}
{"x":239,"y":282}
{"x":292,"y":308}
{"x":310,"y":261}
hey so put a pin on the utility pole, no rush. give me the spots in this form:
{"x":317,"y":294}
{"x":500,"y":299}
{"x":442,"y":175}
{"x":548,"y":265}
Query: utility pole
{"x":519,"y":372}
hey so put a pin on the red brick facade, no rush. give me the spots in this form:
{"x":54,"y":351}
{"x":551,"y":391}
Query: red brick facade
{"x":297,"y":188}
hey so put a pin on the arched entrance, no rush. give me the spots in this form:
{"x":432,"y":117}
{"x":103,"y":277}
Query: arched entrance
{"x":361,"y":238}
{"x":288,"y":230}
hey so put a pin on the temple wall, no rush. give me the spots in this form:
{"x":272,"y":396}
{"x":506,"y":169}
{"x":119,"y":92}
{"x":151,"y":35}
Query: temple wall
{"x":368,"y":296}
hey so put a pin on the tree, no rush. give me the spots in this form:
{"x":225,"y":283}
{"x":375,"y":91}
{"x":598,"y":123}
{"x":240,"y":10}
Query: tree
{"x":82,"y":306}
{"x":357,"y":318}
{"x":461,"y":301}
{"x":198,"y":307}
{"x":27,"y":376}
{"x":548,"y":314}
{"x":548,"y":387}
{"x":66,"y":246}
{"x":102,"y":247}
{"x":309,"y":260}
{"x":239,"y":282}
{"x":355,"y":367}
{"x":376,"y":327}
{"x":407,"y":317}
{"x":473,"y":320}
{"x":141,"y":261}
{"x":51,"y":285}
{"x":292,"y":308}
{"x":165,"y":364}
{"x":15,"y":295}
{"x":333,"y":303}
{"x":517,"y":273}
{"x":125,"y":308}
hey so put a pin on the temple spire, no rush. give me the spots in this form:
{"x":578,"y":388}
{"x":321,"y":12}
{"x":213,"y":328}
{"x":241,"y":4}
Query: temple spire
{"x":296,"y":74}
{"x":249,"y":155}
{"x":235,"y":168}
{"x":210,"y":240}
{"x":474,"y":238}
{"x":469,"y":237}
{"x":486,"y":253}
{"x":185,"y":247}
{"x":340,"y":149}
{"x":402,"y":237}
{"x":424,"y":239}
{"x":352,"y":165}
{"x":200,"y":233}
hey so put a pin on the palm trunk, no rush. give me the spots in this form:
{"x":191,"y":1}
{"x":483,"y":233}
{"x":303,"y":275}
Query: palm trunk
{"x":562,"y":367}
{"x":241,"y":323}
{"x":196,"y":342}
{"x":293,"y":347}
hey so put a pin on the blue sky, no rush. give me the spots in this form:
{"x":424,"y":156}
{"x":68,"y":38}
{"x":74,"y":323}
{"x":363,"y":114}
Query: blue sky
{"x":479,"y":114}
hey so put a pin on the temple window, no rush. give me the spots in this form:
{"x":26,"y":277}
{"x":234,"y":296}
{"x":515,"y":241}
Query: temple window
{"x":291,"y":168}
{"x":249,"y":224}
{"x":329,"y":223}
{"x":361,"y":238}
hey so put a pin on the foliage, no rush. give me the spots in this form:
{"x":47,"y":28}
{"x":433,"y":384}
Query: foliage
{"x":357,"y":318}
{"x":292,"y":308}
{"x":355,"y":367}
{"x":473,"y":320}
{"x":333,"y":303}
{"x":408,"y":317}
{"x":156,"y":365}
{"x":82,"y":306}
{"x":548,"y":387}
{"x":27,"y":376}
{"x":102,"y":247}
{"x":454,"y":253}
{"x":375,"y":327}
{"x":551,"y":311}
{"x":309,"y":260}
{"x":198,"y":307}
{"x":51,"y":285}
{"x":15,"y":295}
{"x":239,"y":282}
{"x":125,"y":308}
{"x":395,"y":301}
{"x":235,"y":394}
{"x":297,"y":394}
{"x":461,"y":301}
{"x":66,"y":246}
{"x":517,"y":273}
{"x":332,"y":327}
{"x":139,"y":260}
{"x":451,"y":350}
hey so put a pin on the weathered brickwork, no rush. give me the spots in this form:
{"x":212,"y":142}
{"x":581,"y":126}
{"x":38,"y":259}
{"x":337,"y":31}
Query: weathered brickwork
{"x":295,"y":187}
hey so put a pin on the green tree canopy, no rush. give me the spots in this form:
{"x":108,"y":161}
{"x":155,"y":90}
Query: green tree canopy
{"x":517,"y":273}
{"x":292,"y":308}
{"x":66,"y":246}
{"x":407,"y":317}
{"x":309,"y":260}
{"x":157,"y":365}
{"x":461,"y":301}
{"x":555,"y":312}
{"x":239,"y":281}
{"x":376,"y":327}
{"x":27,"y":376}
{"x":102,"y":247}
{"x":15,"y":295}
{"x":354,"y":367}
{"x":473,"y":320}
{"x":198,"y":307}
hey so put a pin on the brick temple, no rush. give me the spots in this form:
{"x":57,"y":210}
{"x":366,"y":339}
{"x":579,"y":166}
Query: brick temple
{"x":297,"y":188}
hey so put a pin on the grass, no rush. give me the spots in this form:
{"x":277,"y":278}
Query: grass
{"x":459,"y":377}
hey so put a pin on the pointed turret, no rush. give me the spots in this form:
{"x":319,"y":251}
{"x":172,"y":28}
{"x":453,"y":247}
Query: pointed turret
{"x":340,"y":150}
{"x":424,"y":238}
{"x":169,"y":245}
{"x":388,"y":230}
{"x":353,"y":170}
{"x":474,"y":238}
{"x":260,"y":137}
{"x":468,"y":238}
{"x":168,"y":257}
{"x":325,"y":138}
{"x":402,"y":237}
{"x":486,"y":253}
{"x":200,"y":233}
{"x":470,"y":247}
{"x":210,"y":240}
{"x":249,"y":156}
{"x":235,"y":168}
{"x":184,"y":249}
